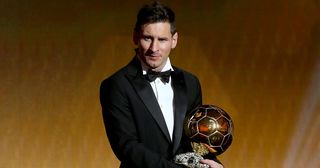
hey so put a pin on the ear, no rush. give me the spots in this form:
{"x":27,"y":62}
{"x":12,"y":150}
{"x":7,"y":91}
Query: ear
{"x":135,"y":37}
{"x":174,"y":40}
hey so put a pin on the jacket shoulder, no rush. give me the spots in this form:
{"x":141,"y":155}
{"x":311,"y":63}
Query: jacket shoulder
{"x":186,"y":74}
{"x":132,"y":68}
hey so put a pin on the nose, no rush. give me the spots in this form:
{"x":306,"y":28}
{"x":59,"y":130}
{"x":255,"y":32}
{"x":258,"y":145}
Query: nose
{"x":154,"y":46}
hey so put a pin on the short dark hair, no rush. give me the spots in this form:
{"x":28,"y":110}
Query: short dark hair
{"x":153,"y":13}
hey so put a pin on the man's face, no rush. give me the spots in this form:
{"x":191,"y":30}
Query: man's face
{"x":155,"y":42}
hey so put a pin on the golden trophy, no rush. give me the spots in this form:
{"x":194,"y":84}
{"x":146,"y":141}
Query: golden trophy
{"x":210,"y":130}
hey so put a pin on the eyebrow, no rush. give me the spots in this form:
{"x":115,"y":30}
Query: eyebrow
{"x":150,"y":36}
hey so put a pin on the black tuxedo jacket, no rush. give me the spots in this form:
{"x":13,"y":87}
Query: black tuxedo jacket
{"x":134,"y":123}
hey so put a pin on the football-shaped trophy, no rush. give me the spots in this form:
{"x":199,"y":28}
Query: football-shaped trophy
{"x":210,"y":130}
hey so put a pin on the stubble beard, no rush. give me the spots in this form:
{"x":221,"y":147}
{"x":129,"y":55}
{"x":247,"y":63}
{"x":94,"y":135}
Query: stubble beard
{"x":156,"y":64}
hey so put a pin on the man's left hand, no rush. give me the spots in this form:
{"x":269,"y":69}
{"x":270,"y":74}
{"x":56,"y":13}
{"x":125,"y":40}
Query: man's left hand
{"x":211,"y":163}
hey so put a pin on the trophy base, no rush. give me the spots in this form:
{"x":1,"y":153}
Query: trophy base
{"x":190,"y":159}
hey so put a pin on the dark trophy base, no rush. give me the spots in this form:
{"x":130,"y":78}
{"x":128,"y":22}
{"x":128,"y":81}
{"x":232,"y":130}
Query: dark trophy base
{"x":190,"y":159}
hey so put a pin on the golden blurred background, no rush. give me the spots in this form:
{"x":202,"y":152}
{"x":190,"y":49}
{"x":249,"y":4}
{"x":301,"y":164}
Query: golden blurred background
{"x":258,"y":60}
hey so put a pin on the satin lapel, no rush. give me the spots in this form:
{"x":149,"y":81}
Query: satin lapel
{"x":180,"y":107}
{"x":144,"y":90}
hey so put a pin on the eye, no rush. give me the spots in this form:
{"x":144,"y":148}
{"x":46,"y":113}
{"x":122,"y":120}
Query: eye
{"x":146,"y":38}
{"x":163,"y":39}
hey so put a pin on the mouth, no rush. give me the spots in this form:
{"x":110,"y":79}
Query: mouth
{"x":154,"y":55}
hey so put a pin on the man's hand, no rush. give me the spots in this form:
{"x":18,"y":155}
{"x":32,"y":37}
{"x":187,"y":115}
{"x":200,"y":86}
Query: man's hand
{"x":211,"y":163}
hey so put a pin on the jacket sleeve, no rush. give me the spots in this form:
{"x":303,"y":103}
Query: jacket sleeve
{"x":121,"y":130}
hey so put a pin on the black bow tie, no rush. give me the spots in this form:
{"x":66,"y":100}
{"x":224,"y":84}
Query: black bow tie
{"x":152,"y":75}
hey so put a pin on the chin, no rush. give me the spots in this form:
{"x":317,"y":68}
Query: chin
{"x":153,"y":64}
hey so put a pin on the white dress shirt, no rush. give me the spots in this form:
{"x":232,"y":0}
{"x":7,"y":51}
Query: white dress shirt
{"x":164,"y":94}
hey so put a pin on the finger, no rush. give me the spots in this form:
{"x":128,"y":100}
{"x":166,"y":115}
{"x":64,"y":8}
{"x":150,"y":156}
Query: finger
{"x":211,"y":163}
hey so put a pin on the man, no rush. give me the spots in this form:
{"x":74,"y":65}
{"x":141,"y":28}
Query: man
{"x":143,"y":111}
